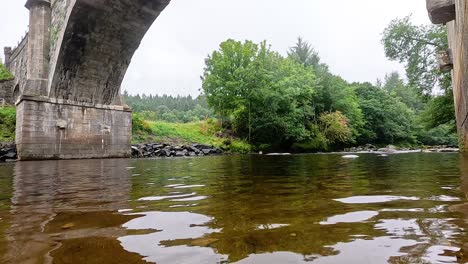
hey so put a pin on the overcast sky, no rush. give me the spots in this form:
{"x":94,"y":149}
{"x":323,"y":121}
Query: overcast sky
{"x":171,"y":57}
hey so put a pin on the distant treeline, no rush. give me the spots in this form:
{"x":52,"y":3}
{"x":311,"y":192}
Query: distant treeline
{"x":178,"y":109}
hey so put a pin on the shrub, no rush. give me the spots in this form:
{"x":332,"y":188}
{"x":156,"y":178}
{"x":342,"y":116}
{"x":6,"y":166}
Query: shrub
{"x":441,"y":135}
{"x":7,"y":123}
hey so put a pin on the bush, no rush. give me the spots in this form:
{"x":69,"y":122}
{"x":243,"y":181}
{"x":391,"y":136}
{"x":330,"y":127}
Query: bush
{"x":335,"y":127}
{"x":318,"y":143}
{"x":4,"y":73}
{"x":236,"y":146}
{"x":140,"y":127}
{"x":7,"y":124}
{"x":441,"y":135}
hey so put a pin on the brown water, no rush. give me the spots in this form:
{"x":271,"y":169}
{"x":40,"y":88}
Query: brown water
{"x":406,"y":208}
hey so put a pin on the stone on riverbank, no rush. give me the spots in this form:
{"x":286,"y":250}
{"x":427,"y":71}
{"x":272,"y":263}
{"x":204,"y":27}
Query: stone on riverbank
{"x":151,"y":150}
{"x":8,"y":152}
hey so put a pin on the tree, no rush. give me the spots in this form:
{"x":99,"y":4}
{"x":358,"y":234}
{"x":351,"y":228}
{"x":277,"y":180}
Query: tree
{"x":409,"y":95}
{"x":417,"y":47}
{"x":304,"y":54}
{"x":335,"y":94}
{"x":267,"y":96}
{"x":387,"y":119}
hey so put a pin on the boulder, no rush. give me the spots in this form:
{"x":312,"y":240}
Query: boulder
{"x":136,"y":153}
{"x":206,"y":151}
{"x":165,"y":153}
{"x":179,"y":154}
{"x":201,"y":147}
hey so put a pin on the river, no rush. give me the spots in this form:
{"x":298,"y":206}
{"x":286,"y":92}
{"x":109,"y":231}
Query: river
{"x":406,"y":208}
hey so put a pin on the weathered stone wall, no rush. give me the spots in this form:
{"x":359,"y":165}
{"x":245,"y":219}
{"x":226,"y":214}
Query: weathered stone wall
{"x":60,"y":10}
{"x":458,"y":40}
{"x":54,"y":129}
{"x":97,"y":46}
{"x":17,"y":64}
{"x":6,"y":92}
{"x":58,"y":17}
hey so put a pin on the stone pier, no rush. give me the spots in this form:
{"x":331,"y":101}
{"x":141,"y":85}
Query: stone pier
{"x":56,"y":129}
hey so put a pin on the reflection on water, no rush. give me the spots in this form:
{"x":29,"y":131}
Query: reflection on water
{"x":408,"y":208}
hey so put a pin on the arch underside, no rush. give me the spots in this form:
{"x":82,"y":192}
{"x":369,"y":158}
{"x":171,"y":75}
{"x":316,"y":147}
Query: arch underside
{"x":99,"y":41}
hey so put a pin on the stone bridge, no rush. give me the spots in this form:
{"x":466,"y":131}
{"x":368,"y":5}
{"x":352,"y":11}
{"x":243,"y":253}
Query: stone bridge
{"x":69,"y":68}
{"x":68,"y":72}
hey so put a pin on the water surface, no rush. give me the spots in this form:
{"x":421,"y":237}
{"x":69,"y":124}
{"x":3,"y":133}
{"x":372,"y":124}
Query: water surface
{"x":408,"y":208}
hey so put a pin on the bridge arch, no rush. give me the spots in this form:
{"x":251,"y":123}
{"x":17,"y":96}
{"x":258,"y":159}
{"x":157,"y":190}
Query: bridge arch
{"x":96,"y":46}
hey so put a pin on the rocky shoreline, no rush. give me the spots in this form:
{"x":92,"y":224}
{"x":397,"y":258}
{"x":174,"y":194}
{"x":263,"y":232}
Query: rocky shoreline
{"x":8,"y":151}
{"x":390,"y":149}
{"x":164,"y":150}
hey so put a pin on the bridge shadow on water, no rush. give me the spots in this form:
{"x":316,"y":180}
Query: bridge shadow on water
{"x":247,"y":209}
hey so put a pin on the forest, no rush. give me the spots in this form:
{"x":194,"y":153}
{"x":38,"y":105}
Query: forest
{"x":294,"y":102}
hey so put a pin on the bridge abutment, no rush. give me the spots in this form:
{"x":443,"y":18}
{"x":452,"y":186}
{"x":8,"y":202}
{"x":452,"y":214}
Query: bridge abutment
{"x":56,"y":129}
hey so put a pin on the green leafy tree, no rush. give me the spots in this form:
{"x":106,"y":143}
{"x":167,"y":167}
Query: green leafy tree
{"x":268,"y":97}
{"x":303,"y":53}
{"x":396,"y":86}
{"x":335,"y":94}
{"x":417,"y":47}
{"x":332,"y":92}
{"x":439,"y":110}
{"x":387,"y":120}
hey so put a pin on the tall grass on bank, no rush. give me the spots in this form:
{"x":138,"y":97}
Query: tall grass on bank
{"x":202,"y":132}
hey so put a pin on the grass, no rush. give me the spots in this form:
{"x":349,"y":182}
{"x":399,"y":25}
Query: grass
{"x":203,"y":132}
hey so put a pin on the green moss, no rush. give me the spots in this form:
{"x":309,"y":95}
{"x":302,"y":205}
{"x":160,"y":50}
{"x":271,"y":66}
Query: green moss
{"x":54,"y":33}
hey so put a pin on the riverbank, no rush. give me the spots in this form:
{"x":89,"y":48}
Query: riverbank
{"x":391,"y":149}
{"x":203,"y":138}
{"x":8,"y":152}
{"x":207,"y":133}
